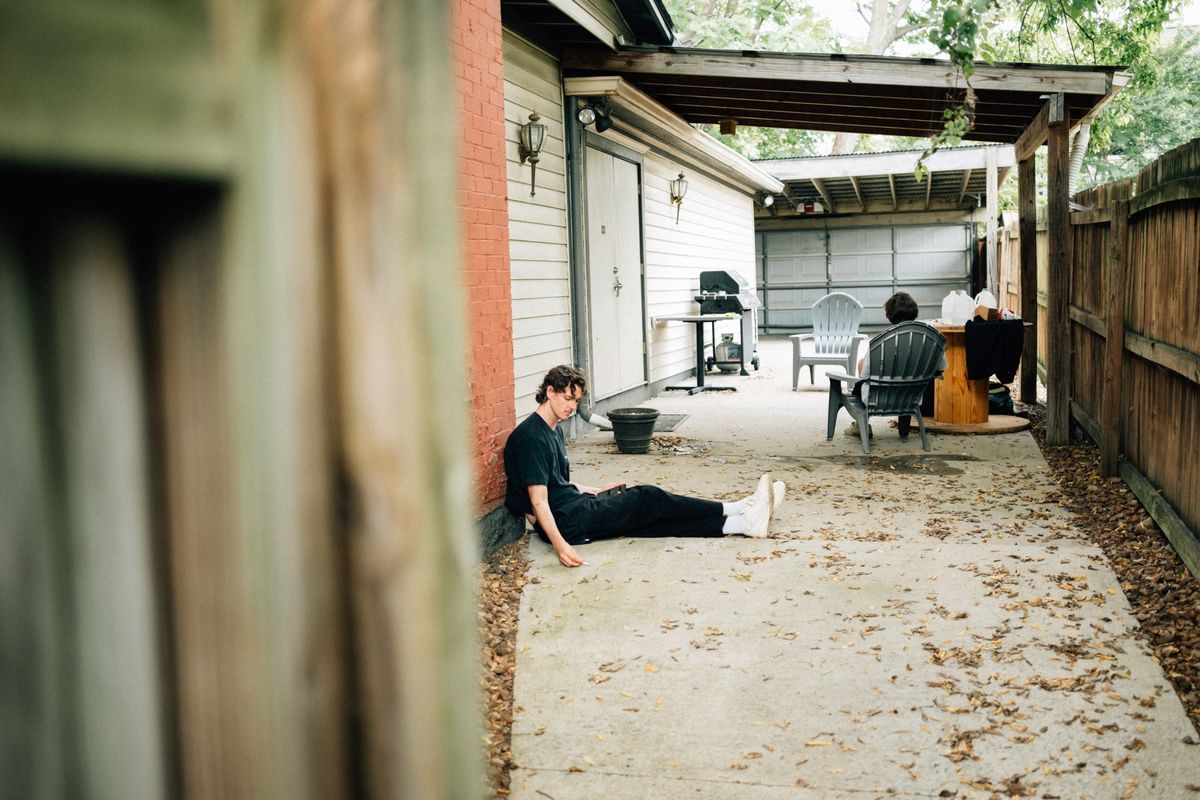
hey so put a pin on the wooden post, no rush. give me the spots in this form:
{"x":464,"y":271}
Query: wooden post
{"x":107,"y":513}
{"x":1114,"y":336}
{"x":398,"y":321}
{"x":992,"y":183}
{"x":37,"y":737}
{"x":1027,"y":230}
{"x":1058,"y":322}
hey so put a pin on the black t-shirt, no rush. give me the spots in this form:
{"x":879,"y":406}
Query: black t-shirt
{"x":536,"y":455}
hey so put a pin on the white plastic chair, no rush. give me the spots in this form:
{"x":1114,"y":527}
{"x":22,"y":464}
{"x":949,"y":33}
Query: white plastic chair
{"x":835,"y":338}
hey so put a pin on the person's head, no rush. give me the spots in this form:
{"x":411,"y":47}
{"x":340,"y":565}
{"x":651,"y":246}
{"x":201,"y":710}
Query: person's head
{"x":901,"y":307}
{"x":562,"y":388}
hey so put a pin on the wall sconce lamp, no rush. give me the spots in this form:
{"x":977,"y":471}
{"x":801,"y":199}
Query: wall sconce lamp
{"x":678,"y":190}
{"x":598,"y":112}
{"x":533,"y":135}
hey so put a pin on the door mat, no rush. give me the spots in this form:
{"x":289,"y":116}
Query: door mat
{"x":668,"y":422}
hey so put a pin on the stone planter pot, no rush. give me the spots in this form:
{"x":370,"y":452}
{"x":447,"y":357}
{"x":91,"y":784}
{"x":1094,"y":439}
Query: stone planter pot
{"x":633,"y":428}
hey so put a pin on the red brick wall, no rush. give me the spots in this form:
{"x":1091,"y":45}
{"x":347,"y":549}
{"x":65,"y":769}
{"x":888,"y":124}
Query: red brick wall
{"x":482,"y":198}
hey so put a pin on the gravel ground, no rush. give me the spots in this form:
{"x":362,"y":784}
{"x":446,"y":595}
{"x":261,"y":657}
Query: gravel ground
{"x":1163,"y":594}
{"x":502,"y":577}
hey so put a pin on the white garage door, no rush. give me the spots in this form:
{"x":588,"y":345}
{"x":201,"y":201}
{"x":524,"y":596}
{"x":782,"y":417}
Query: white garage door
{"x":796,"y":268}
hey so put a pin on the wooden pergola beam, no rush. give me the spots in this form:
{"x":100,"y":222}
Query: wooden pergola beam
{"x":1052,"y":113}
{"x":892,"y":187}
{"x":858,"y":193}
{"x":820,"y":186}
{"x":928,"y":187}
{"x":962,"y":193}
{"x":857,"y":72}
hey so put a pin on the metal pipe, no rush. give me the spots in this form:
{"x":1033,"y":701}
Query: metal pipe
{"x":587,"y":412}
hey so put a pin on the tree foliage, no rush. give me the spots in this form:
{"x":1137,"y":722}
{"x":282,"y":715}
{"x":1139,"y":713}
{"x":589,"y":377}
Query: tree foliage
{"x":1155,"y":113}
{"x":1152,"y":113}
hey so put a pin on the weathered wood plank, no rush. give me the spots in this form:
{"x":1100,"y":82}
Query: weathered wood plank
{"x":1164,"y":355}
{"x":1027,"y":222}
{"x":1058,"y":323}
{"x":1174,"y":191}
{"x":412,"y":550}
{"x":1034,"y":135}
{"x":1114,"y":335}
{"x":108,"y":513}
{"x":1088,"y":320}
{"x":138,"y":88}
{"x":37,"y":736}
{"x":1086,"y":421}
{"x":1093,"y":216}
{"x":801,"y":67}
{"x":1182,"y":538}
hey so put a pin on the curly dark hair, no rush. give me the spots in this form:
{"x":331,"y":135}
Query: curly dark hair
{"x":561,"y":378}
{"x":901,"y":307}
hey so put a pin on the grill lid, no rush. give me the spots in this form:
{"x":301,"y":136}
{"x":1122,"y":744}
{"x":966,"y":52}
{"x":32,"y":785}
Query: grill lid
{"x":725,"y":291}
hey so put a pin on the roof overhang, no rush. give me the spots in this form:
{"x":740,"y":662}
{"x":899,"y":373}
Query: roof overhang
{"x":640,"y":113}
{"x":873,"y":183}
{"x":853,"y":93}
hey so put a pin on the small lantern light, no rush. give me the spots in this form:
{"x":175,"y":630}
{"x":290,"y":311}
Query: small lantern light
{"x":678,"y":190}
{"x":530,"y":147}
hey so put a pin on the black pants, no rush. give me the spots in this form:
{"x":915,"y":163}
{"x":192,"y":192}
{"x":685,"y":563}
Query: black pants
{"x":638,"y":511}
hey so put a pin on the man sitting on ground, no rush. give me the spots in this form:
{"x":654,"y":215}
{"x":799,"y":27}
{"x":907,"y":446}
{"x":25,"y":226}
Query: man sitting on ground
{"x":566,"y":514}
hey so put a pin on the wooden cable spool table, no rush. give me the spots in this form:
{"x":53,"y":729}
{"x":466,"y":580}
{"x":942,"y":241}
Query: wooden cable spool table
{"x":960,"y":405}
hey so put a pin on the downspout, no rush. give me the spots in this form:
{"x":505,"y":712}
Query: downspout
{"x":573,"y":135}
{"x":1078,"y":150}
{"x":587,"y":412}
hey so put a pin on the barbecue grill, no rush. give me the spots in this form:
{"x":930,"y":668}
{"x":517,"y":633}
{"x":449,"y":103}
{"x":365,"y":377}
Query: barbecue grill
{"x":727,"y":292}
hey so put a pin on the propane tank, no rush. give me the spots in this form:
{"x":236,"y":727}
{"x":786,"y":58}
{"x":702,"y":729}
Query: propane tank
{"x":727,"y":354}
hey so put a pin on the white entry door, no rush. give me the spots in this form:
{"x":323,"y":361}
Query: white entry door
{"x":614,"y":271}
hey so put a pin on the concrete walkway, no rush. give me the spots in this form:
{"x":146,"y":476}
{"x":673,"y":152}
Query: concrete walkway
{"x":923,"y":624}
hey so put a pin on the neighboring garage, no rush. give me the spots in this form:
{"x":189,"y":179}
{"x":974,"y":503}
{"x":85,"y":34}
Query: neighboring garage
{"x":862,"y":224}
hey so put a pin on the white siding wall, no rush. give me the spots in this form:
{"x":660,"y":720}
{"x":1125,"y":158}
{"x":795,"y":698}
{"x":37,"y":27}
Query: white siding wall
{"x":715,"y":231}
{"x":541,"y":302}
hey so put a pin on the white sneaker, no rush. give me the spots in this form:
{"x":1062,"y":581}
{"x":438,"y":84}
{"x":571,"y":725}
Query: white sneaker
{"x":762,"y":492}
{"x":758,"y":519}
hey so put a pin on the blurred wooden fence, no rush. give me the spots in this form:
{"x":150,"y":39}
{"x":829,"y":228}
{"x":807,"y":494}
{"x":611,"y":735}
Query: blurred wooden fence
{"x":237,"y":556}
{"x":1135,"y":333}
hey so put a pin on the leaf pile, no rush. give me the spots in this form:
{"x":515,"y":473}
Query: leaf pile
{"x":502,"y":577}
{"x":1164,"y":596}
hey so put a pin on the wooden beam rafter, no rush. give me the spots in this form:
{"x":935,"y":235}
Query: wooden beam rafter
{"x":840,"y":70}
{"x":962,"y":193}
{"x":820,"y":187}
{"x":892,"y":187}
{"x":1052,"y":113}
{"x":858,"y":192}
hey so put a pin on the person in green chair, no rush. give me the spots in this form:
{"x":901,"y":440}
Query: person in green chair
{"x":900,"y":307}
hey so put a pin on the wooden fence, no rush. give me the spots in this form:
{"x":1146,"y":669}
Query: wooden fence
{"x":1134,"y":305}
{"x":237,"y":557}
